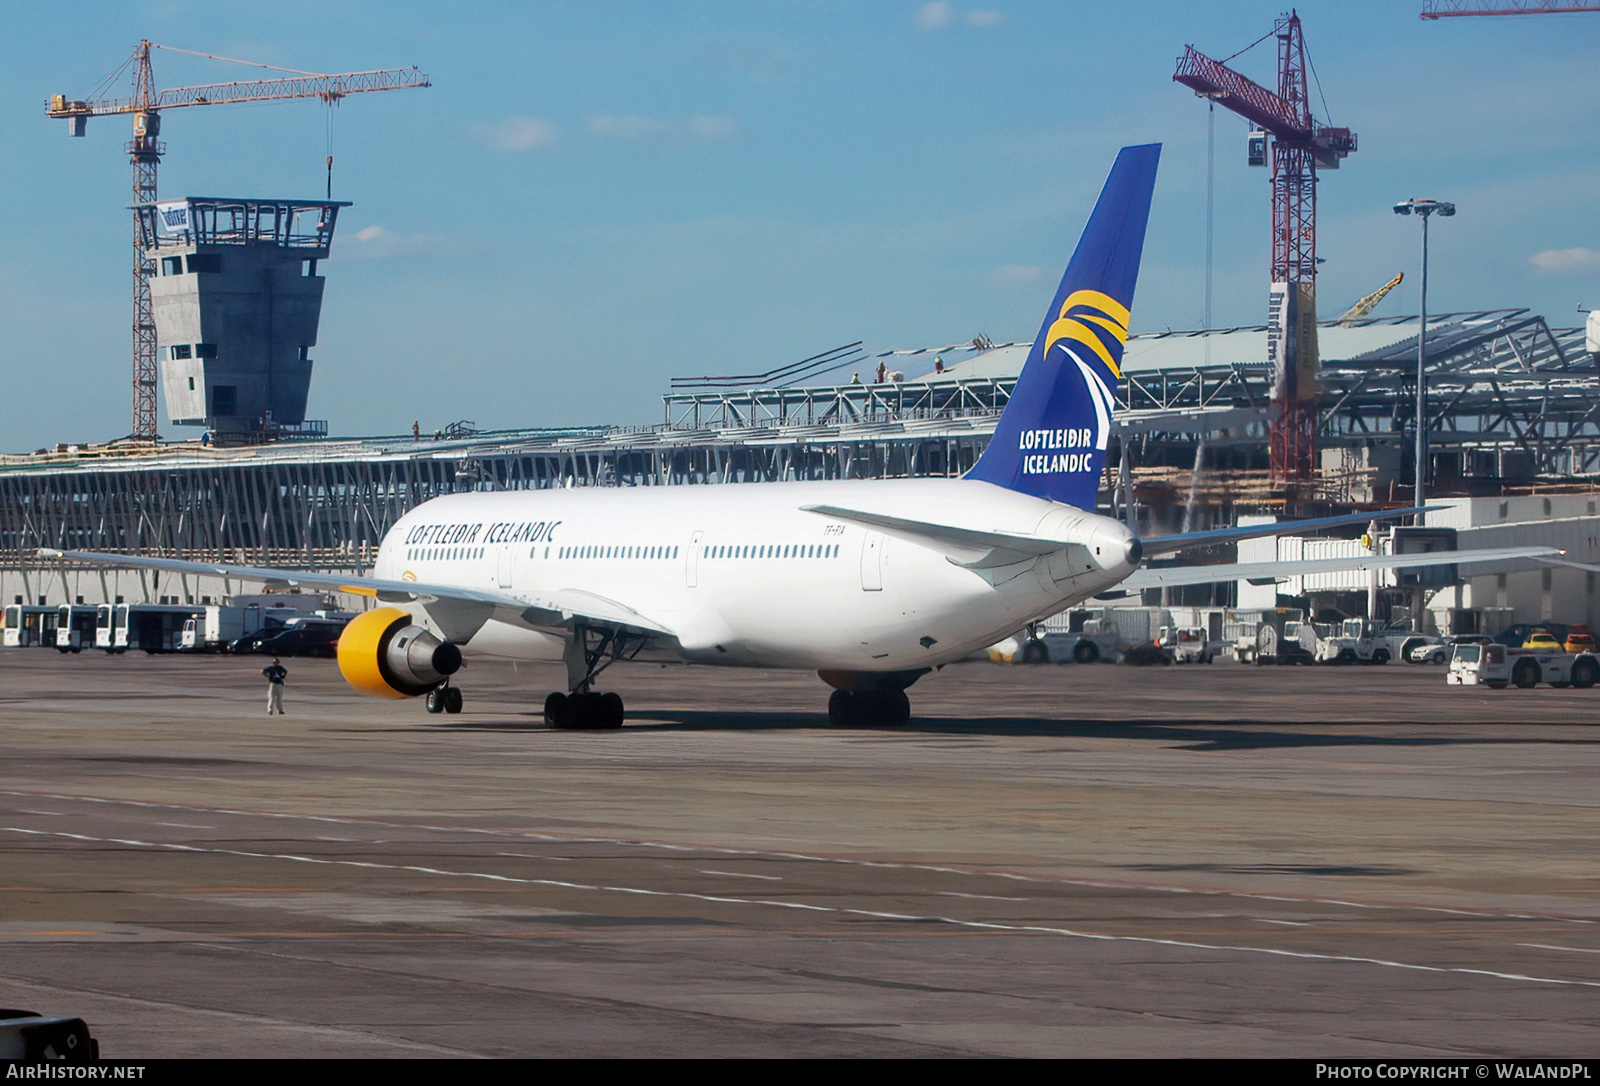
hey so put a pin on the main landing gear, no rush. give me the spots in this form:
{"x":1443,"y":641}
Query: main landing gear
{"x":858,"y":708}
{"x":588,"y":653}
{"x":444,"y":698}
{"x":869,"y":699}
{"x":585,"y":709}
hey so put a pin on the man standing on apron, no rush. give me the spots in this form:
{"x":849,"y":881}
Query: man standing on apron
{"x":275,"y":676}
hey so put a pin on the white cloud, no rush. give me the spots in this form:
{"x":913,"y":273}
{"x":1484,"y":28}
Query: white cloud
{"x":520,"y":134}
{"x":942,"y":13}
{"x":1016,"y":275}
{"x":636,"y":128}
{"x":1566,"y":261}
{"x":379,"y":243}
{"x":713,"y":128}
{"x":935,"y":15}
{"x":625,"y":128}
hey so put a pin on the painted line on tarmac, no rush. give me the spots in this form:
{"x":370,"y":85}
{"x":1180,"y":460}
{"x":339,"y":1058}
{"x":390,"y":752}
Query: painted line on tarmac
{"x":973,"y":872}
{"x":1568,"y":949}
{"x":837,"y":910}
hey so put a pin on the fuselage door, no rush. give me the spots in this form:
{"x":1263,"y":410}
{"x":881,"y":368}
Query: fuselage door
{"x":691,"y":569}
{"x":505,"y":565}
{"x":872,"y":562}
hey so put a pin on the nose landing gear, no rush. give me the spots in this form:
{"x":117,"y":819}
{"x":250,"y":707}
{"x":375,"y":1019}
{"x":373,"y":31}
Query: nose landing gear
{"x":444,"y":698}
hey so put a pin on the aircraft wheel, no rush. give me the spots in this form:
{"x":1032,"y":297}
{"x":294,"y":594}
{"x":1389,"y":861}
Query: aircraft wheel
{"x":843,"y":710}
{"x":558,"y":710}
{"x":586,"y":711}
{"x":899,"y":707}
{"x":452,"y":699}
{"x":610,"y":711}
{"x":1034,"y":652}
{"x":435,"y":700}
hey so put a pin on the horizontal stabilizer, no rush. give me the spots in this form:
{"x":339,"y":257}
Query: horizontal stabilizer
{"x":969,"y":547}
{"x":1166,"y":544}
{"x":1267,"y":572}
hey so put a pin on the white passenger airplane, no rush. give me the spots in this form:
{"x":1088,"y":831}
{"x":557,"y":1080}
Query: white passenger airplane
{"x":872,"y":584}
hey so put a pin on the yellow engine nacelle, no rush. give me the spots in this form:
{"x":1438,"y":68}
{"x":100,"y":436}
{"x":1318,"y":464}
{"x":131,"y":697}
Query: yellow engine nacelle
{"x":384,"y":653}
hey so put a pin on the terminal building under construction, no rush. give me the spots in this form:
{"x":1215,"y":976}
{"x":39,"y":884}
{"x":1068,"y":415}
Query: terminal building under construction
{"x":1515,"y":408}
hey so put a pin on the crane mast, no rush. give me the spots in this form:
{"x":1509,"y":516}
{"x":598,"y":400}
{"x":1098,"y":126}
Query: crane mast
{"x":145,"y":151}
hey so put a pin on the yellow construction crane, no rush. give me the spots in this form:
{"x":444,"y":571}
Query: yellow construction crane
{"x":1370,"y":302}
{"x":146,"y":148}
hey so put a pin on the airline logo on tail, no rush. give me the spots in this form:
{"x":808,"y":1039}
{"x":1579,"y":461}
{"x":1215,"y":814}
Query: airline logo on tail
{"x":1109,"y":323}
{"x":1051,"y":440}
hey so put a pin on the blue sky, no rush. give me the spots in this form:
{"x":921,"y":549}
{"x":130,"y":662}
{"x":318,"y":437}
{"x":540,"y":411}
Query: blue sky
{"x":593,"y":197}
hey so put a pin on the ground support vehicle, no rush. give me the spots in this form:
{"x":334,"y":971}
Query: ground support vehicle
{"x":1081,"y":637}
{"x":75,"y":626}
{"x":1360,"y":641}
{"x":1497,"y":666}
{"x":30,"y":626}
{"x":153,"y":627}
{"x":1278,"y":635}
{"x":214,"y":628}
{"x":1186,"y":644}
{"x":1441,"y":653}
{"x":1282,"y":636}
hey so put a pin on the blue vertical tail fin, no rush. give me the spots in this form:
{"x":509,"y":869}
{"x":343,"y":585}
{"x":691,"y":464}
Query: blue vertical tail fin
{"x":1051,"y":439}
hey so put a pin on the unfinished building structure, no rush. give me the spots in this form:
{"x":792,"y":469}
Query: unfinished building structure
{"x":236,"y":300}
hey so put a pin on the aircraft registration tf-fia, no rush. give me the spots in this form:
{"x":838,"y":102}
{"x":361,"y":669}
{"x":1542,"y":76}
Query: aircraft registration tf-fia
{"x":872,"y":584}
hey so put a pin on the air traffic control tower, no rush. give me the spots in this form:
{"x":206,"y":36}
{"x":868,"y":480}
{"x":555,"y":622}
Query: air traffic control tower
{"x":236,"y":298}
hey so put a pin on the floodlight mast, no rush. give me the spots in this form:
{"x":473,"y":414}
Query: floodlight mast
{"x":1425,"y":209}
{"x":145,"y":151}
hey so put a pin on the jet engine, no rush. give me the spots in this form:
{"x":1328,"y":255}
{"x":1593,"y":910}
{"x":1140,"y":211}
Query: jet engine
{"x":384,"y":653}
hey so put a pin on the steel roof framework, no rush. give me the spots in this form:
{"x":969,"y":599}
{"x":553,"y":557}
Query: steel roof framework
{"x":1503,"y":380}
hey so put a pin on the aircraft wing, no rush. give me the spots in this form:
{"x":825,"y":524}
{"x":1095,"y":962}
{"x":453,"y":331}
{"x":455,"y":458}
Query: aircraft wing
{"x":1263,"y":572}
{"x":551,"y":612}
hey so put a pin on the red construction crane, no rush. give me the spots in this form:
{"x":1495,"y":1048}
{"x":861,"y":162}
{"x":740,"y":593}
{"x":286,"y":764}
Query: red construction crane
{"x":1299,"y":147}
{"x":145,"y":151}
{"x":1444,"y":9}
